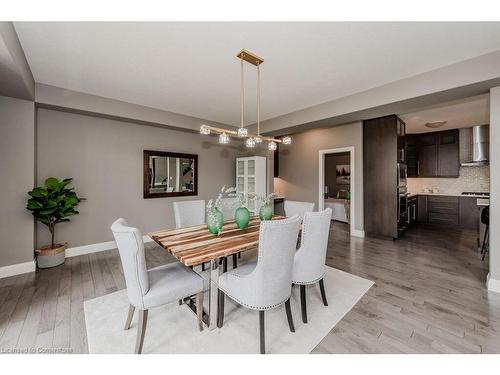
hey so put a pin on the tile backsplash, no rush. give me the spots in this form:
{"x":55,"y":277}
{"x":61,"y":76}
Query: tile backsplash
{"x":470,"y":179}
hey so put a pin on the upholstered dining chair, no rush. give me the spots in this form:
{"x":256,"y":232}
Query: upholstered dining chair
{"x":309,"y":262}
{"x":293,"y":208}
{"x":189,"y":213}
{"x":266,"y":283}
{"x":155,"y":287}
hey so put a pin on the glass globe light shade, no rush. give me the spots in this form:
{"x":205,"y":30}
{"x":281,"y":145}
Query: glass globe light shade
{"x":250,"y":142}
{"x":223,"y":138}
{"x":242,"y":132}
{"x":287,"y":140}
{"x":272,"y":146}
{"x":204,"y":129}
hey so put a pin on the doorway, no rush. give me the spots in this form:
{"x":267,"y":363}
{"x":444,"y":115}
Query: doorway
{"x":336,"y":185}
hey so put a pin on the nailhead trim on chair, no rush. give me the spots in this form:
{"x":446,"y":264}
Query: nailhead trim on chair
{"x":255,"y":307}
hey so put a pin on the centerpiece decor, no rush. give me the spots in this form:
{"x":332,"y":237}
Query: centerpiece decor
{"x":266,"y":209}
{"x":241,"y":215}
{"x":215,"y":218}
{"x":51,"y":204}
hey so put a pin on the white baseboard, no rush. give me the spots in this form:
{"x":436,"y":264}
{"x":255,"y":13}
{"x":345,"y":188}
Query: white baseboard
{"x":96,"y":247}
{"x":358,"y":233}
{"x":17,"y":269}
{"x":492,"y":284}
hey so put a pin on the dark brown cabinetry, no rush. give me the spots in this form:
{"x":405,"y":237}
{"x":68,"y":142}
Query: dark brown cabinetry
{"x":447,"y":210}
{"x":412,"y":210}
{"x":382,"y":142}
{"x":433,"y":154}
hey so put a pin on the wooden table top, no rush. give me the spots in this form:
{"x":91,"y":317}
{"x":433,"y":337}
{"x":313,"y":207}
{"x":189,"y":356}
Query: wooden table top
{"x":195,"y":245}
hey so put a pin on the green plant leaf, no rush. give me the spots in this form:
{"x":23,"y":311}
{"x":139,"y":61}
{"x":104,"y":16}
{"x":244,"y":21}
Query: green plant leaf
{"x":38,"y":192}
{"x":48,"y":211}
{"x":53,"y":183}
{"x":33,"y":204}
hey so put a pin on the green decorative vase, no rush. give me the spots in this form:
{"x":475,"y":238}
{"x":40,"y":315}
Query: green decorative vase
{"x":266,"y":212}
{"x":215,"y":221}
{"x":242,"y":217}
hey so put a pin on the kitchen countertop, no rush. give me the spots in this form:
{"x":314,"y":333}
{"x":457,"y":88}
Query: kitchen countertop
{"x":483,"y":202}
{"x":448,"y":194}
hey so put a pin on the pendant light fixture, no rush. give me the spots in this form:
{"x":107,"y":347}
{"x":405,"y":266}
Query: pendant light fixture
{"x":242,"y":132}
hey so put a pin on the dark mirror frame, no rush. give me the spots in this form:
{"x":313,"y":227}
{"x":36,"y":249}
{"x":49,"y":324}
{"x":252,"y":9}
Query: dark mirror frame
{"x":147,"y":154}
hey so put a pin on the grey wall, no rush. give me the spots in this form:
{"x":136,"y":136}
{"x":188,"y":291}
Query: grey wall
{"x":495,"y":184}
{"x":17,"y":173}
{"x":299,"y":164}
{"x":105,"y":159}
{"x":331,"y":162}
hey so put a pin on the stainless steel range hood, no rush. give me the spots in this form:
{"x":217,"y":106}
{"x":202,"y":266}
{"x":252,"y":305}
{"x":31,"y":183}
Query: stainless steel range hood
{"x":480,"y":147}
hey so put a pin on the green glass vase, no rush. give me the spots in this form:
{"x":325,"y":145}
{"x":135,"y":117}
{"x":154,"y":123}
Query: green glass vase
{"x":215,"y":221}
{"x":266,"y":212}
{"x":242,"y":217}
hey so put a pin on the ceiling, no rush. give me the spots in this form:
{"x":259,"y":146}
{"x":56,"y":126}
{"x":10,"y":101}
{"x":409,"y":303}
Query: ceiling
{"x":191,"y":68}
{"x":462,"y":113}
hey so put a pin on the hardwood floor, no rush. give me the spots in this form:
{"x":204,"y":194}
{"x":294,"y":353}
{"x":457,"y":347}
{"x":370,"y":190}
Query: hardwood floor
{"x":429,"y":297}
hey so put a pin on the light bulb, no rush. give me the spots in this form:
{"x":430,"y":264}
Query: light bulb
{"x":287,"y":140}
{"x":242,"y":132}
{"x":272,"y":146}
{"x":258,"y":139}
{"x":204,"y":129}
{"x":250,"y":142}
{"x":223,"y":138}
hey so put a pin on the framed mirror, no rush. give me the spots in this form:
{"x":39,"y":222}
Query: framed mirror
{"x":170,"y":174}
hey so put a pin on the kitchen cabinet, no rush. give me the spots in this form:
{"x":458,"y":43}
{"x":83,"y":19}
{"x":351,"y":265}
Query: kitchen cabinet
{"x":433,"y":154}
{"x":422,"y":213}
{"x":447,"y":210}
{"x":412,"y":210}
{"x":448,"y":154}
{"x":427,"y":155}
{"x":468,"y":213}
{"x":380,"y":168}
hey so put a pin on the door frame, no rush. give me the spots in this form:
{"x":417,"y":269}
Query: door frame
{"x":352,"y":184}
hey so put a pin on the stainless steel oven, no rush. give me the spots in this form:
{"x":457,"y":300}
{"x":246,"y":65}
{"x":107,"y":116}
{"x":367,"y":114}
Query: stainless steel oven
{"x":402,"y":175}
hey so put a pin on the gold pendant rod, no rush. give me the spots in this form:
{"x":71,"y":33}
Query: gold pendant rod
{"x":242,"y":95}
{"x":258,"y":100}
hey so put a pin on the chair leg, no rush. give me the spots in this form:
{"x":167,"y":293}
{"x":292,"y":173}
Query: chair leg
{"x":239,"y":255}
{"x":199,"y":310}
{"x":323,"y":294}
{"x":235,"y":260}
{"x":289,"y":315}
{"x":262,"y":333}
{"x":303,"y":303}
{"x":484,"y":249}
{"x":224,"y":265}
{"x":130,"y":315}
{"x":484,"y":239}
{"x":220,"y":313}
{"x":203,"y":266}
{"x":141,"y":330}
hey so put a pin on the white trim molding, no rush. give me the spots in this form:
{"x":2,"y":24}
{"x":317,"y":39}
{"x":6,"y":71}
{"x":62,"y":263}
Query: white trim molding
{"x":321,"y":181}
{"x":96,"y":247}
{"x":492,"y":284}
{"x":17,"y":269}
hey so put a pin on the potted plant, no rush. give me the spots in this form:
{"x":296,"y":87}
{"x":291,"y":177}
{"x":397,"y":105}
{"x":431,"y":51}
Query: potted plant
{"x":51,"y":204}
{"x":241,"y":215}
{"x":266,"y":209}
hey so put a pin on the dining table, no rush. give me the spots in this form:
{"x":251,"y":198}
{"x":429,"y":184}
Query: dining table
{"x":194,"y":246}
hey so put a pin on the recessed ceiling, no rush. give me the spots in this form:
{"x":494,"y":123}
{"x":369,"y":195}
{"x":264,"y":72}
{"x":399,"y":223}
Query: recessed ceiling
{"x":191,"y":68}
{"x":462,"y":113}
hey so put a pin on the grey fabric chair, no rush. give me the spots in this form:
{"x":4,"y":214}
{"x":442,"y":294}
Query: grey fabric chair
{"x":155,"y":287}
{"x":189,"y":213}
{"x":309,"y":262}
{"x":293,"y":208}
{"x":266,"y":283}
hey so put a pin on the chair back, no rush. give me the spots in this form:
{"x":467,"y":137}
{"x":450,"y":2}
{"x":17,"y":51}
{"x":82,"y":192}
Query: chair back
{"x":309,"y":263}
{"x":229,"y":207}
{"x":485,"y":216}
{"x":272,"y":276}
{"x":131,"y":249}
{"x":189,"y":213}
{"x":293,"y":208}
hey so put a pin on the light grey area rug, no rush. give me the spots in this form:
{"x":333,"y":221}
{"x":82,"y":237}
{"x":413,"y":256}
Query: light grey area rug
{"x":173,"y":328}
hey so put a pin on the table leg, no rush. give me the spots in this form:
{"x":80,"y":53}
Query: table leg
{"x":213,"y":294}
